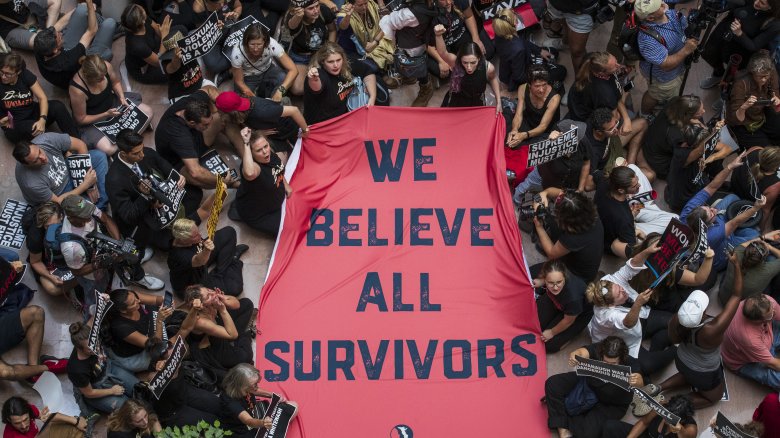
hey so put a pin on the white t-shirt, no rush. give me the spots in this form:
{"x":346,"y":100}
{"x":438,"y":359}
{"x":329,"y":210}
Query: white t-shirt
{"x":238,"y":58}
{"x":73,"y":252}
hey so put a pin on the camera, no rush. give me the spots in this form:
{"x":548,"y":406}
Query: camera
{"x":763,"y":102}
{"x":124,"y":249}
{"x":527,"y":212}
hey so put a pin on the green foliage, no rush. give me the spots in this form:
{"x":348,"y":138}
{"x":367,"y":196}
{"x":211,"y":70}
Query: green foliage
{"x":200,"y":430}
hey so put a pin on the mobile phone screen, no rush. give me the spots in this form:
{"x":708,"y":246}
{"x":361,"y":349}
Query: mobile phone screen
{"x":168,"y":299}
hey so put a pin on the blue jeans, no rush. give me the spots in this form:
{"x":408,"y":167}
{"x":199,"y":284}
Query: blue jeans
{"x":740,"y":235}
{"x":135,"y":363}
{"x":760,"y":372}
{"x":101,"y":43}
{"x":114,"y":376}
{"x":100,"y":164}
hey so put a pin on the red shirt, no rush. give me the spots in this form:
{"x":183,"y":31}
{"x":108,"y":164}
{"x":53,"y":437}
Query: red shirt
{"x":10,"y":432}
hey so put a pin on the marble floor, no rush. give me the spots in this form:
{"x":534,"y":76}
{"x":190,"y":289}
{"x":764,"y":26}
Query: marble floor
{"x":744,"y":396}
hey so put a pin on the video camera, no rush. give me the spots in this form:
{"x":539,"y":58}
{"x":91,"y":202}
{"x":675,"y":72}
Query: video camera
{"x":642,"y":198}
{"x":111,"y":248}
{"x":527,"y":212}
{"x":155,"y":185}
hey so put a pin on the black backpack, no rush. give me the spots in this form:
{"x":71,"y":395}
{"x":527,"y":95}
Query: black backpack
{"x":629,"y":38}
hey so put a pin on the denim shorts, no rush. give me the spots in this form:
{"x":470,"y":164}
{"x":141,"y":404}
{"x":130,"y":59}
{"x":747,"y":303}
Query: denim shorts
{"x":579,"y":23}
{"x":299,"y":59}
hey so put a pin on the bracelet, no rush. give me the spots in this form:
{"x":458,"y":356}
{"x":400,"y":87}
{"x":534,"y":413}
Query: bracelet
{"x":282,"y":90}
{"x":43,"y":116}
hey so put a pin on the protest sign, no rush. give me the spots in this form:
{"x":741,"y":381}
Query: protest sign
{"x":385,"y":241}
{"x":547,"y":150}
{"x":163,"y":377}
{"x":235,"y":34}
{"x":619,"y":375}
{"x":201,"y":41}
{"x":724,"y":428}
{"x":697,"y":251}
{"x":675,"y":239}
{"x":63,"y":274}
{"x":53,"y":397}
{"x":12,"y":232}
{"x":212,"y":161}
{"x":281,"y":415}
{"x":101,"y":309}
{"x":78,"y":165}
{"x":709,"y":149}
{"x":489,"y":9}
{"x":166,"y":214}
{"x":132,"y":118}
{"x":216,"y":208}
{"x":659,"y":409}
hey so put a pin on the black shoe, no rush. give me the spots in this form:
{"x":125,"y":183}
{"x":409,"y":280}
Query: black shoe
{"x":240,"y":250}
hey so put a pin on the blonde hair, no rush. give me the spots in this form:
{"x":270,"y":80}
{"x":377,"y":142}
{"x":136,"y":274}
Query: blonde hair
{"x":121,"y":420}
{"x":598,"y":293}
{"x":595,"y":63}
{"x":93,"y":68}
{"x":330,"y":48}
{"x":182,"y":228}
{"x":768,"y":161}
{"x":505,"y":24}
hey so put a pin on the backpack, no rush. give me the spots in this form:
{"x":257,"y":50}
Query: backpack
{"x":52,"y":245}
{"x":628,"y":40}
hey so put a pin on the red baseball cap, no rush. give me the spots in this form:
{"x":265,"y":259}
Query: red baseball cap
{"x":230,"y":101}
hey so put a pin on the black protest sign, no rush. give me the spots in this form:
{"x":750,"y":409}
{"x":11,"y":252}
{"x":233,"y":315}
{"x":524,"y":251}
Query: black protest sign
{"x":101,"y":309}
{"x":212,"y":161}
{"x":697,"y":251}
{"x":619,"y":375}
{"x":275,"y":399}
{"x":659,"y":409}
{"x":163,"y":377}
{"x":724,"y":428}
{"x":675,"y":239}
{"x":12,"y":232}
{"x":709,"y":148}
{"x":280,"y":414}
{"x":78,"y":165}
{"x":548,"y":150}
{"x":63,"y":274}
{"x":166,"y":214}
{"x":201,"y":41}
{"x":235,"y":34}
{"x":9,"y":277}
{"x":132,"y":118}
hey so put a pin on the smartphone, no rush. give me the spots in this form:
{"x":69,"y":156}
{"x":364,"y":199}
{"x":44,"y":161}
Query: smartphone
{"x":121,"y":108}
{"x":168,"y":299}
{"x":628,"y":86}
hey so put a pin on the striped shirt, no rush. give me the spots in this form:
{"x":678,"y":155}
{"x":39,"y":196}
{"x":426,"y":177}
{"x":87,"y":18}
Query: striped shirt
{"x":654,"y":53}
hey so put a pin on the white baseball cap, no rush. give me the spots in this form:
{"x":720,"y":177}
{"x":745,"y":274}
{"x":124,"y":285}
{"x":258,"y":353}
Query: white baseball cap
{"x":692,"y":310}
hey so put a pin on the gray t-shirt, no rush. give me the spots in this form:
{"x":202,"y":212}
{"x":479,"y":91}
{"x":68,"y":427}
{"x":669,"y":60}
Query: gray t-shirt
{"x":38,"y":184}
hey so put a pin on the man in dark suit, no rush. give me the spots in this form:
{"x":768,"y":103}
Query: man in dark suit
{"x":129,"y":186}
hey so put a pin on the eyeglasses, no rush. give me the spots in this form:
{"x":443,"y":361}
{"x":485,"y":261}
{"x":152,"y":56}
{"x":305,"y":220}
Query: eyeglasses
{"x":5,"y":74}
{"x":612,"y":129}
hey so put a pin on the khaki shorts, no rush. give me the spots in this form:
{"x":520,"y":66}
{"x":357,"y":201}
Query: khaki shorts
{"x":663,"y":91}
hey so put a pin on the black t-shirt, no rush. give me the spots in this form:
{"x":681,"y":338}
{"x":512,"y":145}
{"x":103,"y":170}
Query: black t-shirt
{"x":174,"y":139}
{"x":85,"y":372}
{"x":173,"y":398}
{"x":264,"y":194}
{"x":456,"y":34}
{"x":658,"y":144}
{"x":309,"y":39}
{"x":263,"y":113}
{"x":600,"y":93}
{"x":231,"y":408}
{"x":571,"y":298}
{"x":655,"y":423}
{"x":331,"y":100}
{"x":615,"y":215}
{"x":184,"y":81}
{"x":139,"y":47}
{"x":680,"y":187}
{"x":564,"y":172}
{"x":61,"y":69}
{"x":581,"y":260}
{"x":16,"y":10}
{"x":598,"y":150}
{"x":183,"y":273}
{"x":122,"y":327}
{"x":18,"y":98}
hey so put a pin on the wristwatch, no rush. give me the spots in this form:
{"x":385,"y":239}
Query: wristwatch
{"x":282,"y":90}
{"x":43,"y":116}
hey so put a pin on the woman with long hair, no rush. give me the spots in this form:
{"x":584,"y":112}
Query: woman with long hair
{"x":619,"y":310}
{"x":699,"y":337}
{"x":242,"y":413}
{"x":133,"y":420}
{"x":759,"y":177}
{"x":329,"y":82}
{"x":22,"y":117}
{"x":471,"y":72}
{"x":260,"y":65}
{"x":753,"y":108}
{"x":19,"y":417}
{"x":575,"y":234}
{"x":612,"y":402}
{"x":96,"y":95}
{"x":143,"y":45}
{"x":561,"y":307}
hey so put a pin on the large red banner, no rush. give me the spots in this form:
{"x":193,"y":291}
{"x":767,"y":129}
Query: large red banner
{"x":397,"y":303}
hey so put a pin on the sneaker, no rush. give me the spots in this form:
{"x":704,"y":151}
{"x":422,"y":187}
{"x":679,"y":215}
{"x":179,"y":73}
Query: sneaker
{"x":148,"y":254}
{"x":391,"y":81}
{"x":55,"y":365}
{"x":240,"y":250}
{"x":150,"y":283}
{"x":710,"y":82}
{"x":640,"y":408}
